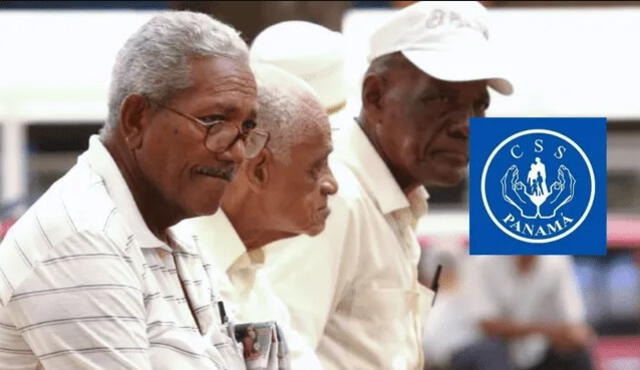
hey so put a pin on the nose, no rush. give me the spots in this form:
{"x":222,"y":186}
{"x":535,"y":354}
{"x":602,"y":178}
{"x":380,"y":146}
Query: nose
{"x":329,"y":185}
{"x":234,"y":153}
{"x":458,"y":126}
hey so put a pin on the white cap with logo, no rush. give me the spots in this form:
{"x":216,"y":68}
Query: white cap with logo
{"x":448,"y":40}
{"x":309,"y":51}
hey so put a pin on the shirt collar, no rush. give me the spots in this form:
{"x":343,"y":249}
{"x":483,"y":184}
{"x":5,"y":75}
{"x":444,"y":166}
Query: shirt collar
{"x":218,"y":238}
{"x":100,"y":161}
{"x":357,"y":152}
{"x":418,"y":202}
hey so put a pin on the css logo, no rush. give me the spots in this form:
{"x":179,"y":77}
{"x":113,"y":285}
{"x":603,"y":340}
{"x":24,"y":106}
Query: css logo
{"x":529,"y":186}
{"x":535,"y":185}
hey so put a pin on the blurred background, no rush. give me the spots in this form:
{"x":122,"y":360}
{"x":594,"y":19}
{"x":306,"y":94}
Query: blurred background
{"x":566,"y":58}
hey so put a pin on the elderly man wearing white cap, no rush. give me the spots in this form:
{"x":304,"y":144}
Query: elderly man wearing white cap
{"x":312,"y":52}
{"x":355,"y":293}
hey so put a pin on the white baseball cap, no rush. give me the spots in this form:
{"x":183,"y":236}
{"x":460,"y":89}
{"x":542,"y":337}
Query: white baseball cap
{"x":309,"y":51}
{"x":448,"y":40}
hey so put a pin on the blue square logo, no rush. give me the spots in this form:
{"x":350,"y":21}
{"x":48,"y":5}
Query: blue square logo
{"x":538,"y":186}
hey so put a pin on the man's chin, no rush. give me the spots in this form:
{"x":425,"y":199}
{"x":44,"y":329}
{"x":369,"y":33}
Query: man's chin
{"x":209,"y":199}
{"x":315,"y":230}
{"x":440,"y":173}
{"x":205,"y":208}
{"x":447,"y":180}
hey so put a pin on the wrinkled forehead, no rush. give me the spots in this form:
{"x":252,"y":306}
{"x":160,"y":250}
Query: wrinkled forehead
{"x":317,"y":135}
{"x":221,"y":82}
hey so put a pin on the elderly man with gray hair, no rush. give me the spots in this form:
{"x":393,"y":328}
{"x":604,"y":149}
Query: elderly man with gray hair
{"x":280,"y":193}
{"x":91,"y":276}
{"x":312,"y":52}
{"x":358,"y":301}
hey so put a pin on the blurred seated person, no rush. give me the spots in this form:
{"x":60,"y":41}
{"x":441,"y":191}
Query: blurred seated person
{"x":278,"y":193}
{"x":531,"y":313}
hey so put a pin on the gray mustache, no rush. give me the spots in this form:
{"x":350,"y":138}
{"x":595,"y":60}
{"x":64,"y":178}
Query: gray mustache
{"x":225,"y":173}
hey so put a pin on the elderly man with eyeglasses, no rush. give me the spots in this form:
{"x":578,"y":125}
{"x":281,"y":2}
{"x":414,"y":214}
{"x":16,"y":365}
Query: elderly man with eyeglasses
{"x":279,"y":193}
{"x":91,"y":276}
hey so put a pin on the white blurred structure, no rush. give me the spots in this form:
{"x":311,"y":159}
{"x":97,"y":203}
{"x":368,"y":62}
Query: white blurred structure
{"x":55,"y":66}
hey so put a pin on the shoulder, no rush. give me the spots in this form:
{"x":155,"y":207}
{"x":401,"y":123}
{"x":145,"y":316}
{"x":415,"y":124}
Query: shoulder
{"x":34,"y":260}
{"x":78,"y":202}
{"x":75,"y":217}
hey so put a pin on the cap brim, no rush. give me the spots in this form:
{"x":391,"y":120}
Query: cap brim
{"x":450,"y":66}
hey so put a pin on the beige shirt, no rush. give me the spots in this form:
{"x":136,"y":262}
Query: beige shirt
{"x":353,"y":290}
{"x":246,"y":291}
{"x":85,"y":284}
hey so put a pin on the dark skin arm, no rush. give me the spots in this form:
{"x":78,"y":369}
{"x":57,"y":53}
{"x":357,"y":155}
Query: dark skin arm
{"x":563,"y":337}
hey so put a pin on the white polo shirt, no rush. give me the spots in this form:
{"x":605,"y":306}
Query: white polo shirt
{"x":246,"y":291}
{"x":85,"y":284}
{"x":353,"y":290}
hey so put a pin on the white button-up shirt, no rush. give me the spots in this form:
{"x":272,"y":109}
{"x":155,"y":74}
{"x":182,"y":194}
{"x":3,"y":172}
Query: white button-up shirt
{"x":353,"y":290}
{"x":246,"y":291}
{"x":85,"y":284}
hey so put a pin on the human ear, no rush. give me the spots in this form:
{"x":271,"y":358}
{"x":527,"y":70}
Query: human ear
{"x":372,"y":93}
{"x":133,"y":120}
{"x":258,"y":170}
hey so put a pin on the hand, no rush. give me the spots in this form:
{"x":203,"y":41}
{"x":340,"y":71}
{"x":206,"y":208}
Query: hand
{"x":562,"y":191}
{"x":565,"y":338}
{"x":514,"y":192}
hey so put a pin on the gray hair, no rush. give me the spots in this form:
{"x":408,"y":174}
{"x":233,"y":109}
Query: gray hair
{"x":287,"y":108}
{"x":154,"y":62}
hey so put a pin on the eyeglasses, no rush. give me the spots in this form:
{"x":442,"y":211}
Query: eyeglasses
{"x":221,"y":136}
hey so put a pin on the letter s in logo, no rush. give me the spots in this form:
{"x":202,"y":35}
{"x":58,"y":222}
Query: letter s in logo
{"x":560,"y":152}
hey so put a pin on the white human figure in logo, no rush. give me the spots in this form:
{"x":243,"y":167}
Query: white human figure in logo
{"x":537,"y":179}
{"x":534,"y":204}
